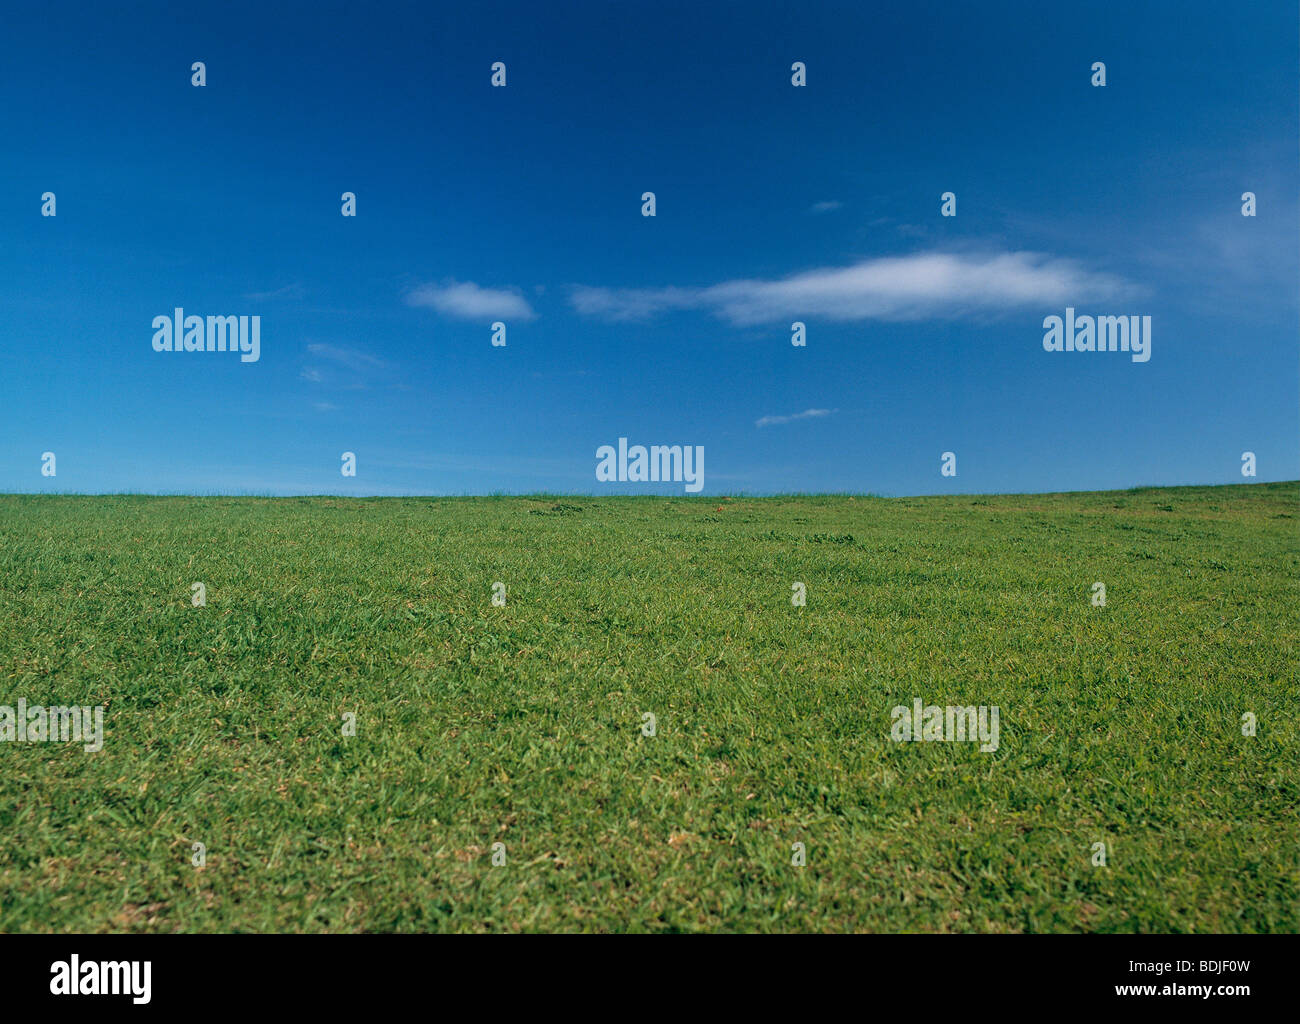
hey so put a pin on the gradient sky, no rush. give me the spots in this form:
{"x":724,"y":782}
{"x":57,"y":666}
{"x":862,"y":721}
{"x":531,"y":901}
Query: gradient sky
{"x":524,"y":203}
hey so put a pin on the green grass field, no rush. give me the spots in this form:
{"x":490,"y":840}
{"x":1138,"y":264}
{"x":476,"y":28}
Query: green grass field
{"x":522,"y":724}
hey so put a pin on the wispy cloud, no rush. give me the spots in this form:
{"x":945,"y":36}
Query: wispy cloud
{"x":633,"y":303}
{"x":353,"y":359}
{"x":826,"y":206}
{"x":807,"y":414}
{"x":341,"y":368}
{"x":468,"y":301}
{"x":289,"y":291}
{"x":920,"y":286}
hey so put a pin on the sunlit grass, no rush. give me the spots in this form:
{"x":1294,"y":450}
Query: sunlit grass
{"x":523,"y":725}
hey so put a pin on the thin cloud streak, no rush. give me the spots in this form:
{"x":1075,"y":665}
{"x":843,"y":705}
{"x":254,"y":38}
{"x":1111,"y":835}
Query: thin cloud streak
{"x":466,"y":300}
{"x":353,"y":359}
{"x":916,"y":287}
{"x":807,"y":414}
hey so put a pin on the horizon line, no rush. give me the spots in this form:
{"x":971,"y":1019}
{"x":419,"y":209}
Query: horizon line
{"x":553,"y":495}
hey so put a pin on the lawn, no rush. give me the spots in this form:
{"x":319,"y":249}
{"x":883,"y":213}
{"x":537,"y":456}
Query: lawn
{"x":525,"y":725}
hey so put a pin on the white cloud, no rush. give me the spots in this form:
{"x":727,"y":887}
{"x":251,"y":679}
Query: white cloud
{"x":772,"y":421}
{"x":467,"y":301}
{"x":825,"y":206}
{"x":336,"y":366}
{"x":289,"y":291}
{"x":919,"y":286}
{"x":632,"y":303}
{"x":352,"y":358}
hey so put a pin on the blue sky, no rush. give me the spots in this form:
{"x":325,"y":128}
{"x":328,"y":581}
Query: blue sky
{"x":774,"y":204}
